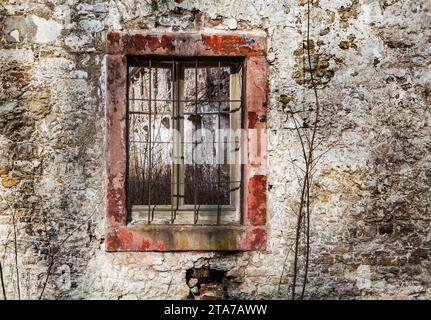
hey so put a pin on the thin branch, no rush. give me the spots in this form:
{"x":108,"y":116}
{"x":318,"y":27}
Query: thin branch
{"x":320,"y":156}
{"x":2,"y":282}
{"x":15,"y":242}
{"x":284,"y":267}
{"x":307,"y":246}
{"x":169,"y":288}
{"x":55,"y":251}
{"x":300,"y":139}
{"x":298,"y":230}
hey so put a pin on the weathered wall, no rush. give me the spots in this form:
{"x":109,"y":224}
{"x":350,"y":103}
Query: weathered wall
{"x":371,"y":235}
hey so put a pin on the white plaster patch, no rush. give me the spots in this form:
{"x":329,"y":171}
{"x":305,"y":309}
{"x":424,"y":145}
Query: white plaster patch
{"x":371,"y":11}
{"x":79,"y":74}
{"x":63,"y":281}
{"x":77,"y":43}
{"x":231,"y":23}
{"x":53,"y":68}
{"x":14,"y":35}
{"x":271,"y":57}
{"x":363,"y":277}
{"x":91,"y":25}
{"x":85,"y":8}
{"x":47,"y":30}
{"x":16,"y":55}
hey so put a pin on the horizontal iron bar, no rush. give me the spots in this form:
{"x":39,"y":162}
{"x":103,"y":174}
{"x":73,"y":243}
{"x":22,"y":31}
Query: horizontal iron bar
{"x":185,"y":113}
{"x":191,"y":183}
{"x":190,"y":101}
{"x":185,"y":207}
{"x":187,"y":142}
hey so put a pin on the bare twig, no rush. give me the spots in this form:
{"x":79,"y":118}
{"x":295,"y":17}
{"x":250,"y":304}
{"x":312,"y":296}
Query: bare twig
{"x":15,"y":243}
{"x":169,"y":288}
{"x":283,"y":269}
{"x":54,"y":252}
{"x":2,"y":282}
{"x":307,"y":245}
{"x":299,"y":219}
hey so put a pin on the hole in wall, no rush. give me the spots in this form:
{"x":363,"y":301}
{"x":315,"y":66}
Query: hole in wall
{"x":206,"y":284}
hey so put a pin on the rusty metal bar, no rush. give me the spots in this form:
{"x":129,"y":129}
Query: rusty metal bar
{"x":173,"y":79}
{"x":218,"y":163}
{"x":190,"y":113}
{"x":196,"y":213}
{"x":185,"y":100}
{"x":177,"y":120}
{"x":150,"y":143}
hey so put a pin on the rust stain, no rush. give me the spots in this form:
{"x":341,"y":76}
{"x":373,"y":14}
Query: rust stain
{"x":254,"y":239}
{"x":252,"y":120}
{"x":113,"y":243}
{"x":123,"y":239}
{"x":126,"y":238}
{"x":231,"y":44}
{"x":116,"y":109}
{"x":145,"y":244}
{"x":160,"y":245}
{"x":139,"y":42}
{"x":113,"y":37}
{"x":8,"y":182}
{"x":173,"y":238}
{"x":14,"y":79}
{"x":115,"y":198}
{"x":244,"y":45}
{"x":256,"y":201}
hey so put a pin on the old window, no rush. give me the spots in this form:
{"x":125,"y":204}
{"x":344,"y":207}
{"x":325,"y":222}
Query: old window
{"x":185,"y":147}
{"x":184,"y":140}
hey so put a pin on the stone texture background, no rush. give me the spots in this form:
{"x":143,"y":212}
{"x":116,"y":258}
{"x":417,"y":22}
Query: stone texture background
{"x":371,"y":235}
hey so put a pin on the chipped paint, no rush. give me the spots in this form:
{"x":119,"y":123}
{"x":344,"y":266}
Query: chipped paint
{"x":256,"y":201}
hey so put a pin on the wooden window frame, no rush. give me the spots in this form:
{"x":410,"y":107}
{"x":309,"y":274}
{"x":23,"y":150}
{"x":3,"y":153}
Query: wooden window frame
{"x":121,"y":235}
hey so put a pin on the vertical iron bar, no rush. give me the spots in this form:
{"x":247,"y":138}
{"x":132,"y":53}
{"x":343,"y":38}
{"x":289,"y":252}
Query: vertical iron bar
{"x":131,"y":92}
{"x":196,"y":213}
{"x":141,"y":88}
{"x":218,"y":162}
{"x":173,"y":79}
{"x":156,"y":70}
{"x":140,"y":158}
{"x":243,"y":144}
{"x":177,"y":119}
{"x":145,"y":153}
{"x":126,"y":186}
{"x":150,"y":143}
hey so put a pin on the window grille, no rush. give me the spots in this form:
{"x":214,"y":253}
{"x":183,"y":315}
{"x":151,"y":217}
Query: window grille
{"x":184,"y":120}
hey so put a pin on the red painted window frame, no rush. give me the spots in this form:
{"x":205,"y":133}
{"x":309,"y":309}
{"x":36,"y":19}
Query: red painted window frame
{"x":251,"y":234}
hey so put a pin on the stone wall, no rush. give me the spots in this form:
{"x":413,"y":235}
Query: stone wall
{"x":370,"y":234}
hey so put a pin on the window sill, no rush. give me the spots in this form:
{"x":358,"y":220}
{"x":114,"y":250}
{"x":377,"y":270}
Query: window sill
{"x":152,"y":237}
{"x":186,"y":215}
